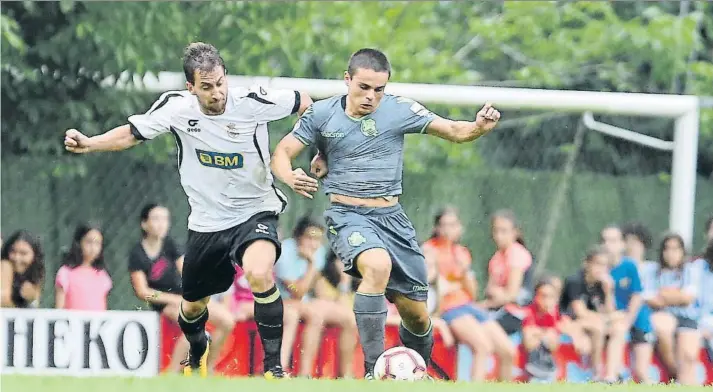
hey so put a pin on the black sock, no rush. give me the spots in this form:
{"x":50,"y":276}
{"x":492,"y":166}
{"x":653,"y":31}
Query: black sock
{"x":370,"y":312}
{"x":194,"y":330}
{"x":268,"y":317}
{"x":422,"y":344}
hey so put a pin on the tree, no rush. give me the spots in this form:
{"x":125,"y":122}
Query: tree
{"x":59,"y":54}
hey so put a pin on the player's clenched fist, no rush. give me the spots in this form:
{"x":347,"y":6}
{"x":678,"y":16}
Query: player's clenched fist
{"x":75,"y":141}
{"x":487,"y":117}
{"x":302,"y":183}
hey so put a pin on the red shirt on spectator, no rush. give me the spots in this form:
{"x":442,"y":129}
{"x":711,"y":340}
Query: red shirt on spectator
{"x":537,"y":318}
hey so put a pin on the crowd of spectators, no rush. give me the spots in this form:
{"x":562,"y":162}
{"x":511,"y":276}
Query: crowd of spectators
{"x":619,"y":299}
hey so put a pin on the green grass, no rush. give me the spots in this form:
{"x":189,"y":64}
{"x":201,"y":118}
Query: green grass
{"x":180,"y":384}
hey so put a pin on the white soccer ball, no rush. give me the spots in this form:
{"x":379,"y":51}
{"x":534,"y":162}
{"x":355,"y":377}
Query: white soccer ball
{"x":401,"y":364}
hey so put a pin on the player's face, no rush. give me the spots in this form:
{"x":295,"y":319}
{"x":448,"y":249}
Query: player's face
{"x":634,"y":248}
{"x":211,"y":89}
{"x":709,"y":234}
{"x":450,"y":227}
{"x":157,"y":223}
{"x":504,"y":233}
{"x":21,"y":255}
{"x":365,"y":90}
{"x":673,"y":253}
{"x":613,"y":241}
{"x":91,"y":245}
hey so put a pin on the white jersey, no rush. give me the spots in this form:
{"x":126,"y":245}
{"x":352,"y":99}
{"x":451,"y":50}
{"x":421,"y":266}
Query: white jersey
{"x":223,"y":160}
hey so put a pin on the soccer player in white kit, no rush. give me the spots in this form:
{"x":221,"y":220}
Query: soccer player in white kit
{"x":224,"y":165}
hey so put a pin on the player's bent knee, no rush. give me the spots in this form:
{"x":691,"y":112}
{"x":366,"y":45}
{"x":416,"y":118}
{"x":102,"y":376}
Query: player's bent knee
{"x":419,"y":320}
{"x":374,"y":265}
{"x":259,"y":254}
{"x":192,"y":309}
{"x":258,"y":262}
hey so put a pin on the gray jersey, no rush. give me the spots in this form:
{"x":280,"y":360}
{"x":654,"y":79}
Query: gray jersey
{"x":223,"y":160}
{"x":364,"y":155}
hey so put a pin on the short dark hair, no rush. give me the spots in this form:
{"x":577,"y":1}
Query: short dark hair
{"x":303,"y":224}
{"x":372,"y":59}
{"x":639,"y":231}
{"x":202,"y":57}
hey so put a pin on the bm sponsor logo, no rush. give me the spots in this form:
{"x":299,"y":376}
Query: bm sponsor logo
{"x":220,"y":160}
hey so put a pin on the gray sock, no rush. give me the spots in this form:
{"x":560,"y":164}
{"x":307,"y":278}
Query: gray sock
{"x":422,"y":344}
{"x":370,"y":311}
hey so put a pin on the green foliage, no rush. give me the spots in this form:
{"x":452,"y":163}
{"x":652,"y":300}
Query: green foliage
{"x":56,"y":54}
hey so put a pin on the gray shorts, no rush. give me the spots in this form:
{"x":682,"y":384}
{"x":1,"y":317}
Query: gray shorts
{"x":352,"y":230}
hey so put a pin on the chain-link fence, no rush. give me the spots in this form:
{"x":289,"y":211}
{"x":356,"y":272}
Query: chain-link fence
{"x":551,"y":172}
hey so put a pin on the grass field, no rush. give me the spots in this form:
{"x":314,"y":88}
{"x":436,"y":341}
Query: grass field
{"x":180,"y":384}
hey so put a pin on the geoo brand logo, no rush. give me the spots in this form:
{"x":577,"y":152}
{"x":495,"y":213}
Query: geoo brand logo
{"x":220,"y":160}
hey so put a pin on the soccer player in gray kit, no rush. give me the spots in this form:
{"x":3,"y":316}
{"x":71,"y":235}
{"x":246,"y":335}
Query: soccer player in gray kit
{"x":360,"y":136}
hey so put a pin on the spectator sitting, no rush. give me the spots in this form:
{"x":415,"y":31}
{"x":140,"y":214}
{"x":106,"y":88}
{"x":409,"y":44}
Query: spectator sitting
{"x":333,"y":284}
{"x":507,"y":272}
{"x":451,"y":276}
{"x":706,"y":297}
{"x":302,"y":259}
{"x":23,"y":270}
{"x":83,"y":282}
{"x":632,"y":316}
{"x":587,"y":301}
{"x":155,"y":264}
{"x":677,"y":291}
{"x":540,"y":333}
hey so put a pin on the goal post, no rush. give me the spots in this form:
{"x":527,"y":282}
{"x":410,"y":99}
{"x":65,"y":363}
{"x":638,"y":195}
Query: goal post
{"x":683,"y":108}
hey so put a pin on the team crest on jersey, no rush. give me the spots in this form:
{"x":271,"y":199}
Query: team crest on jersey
{"x":368,"y":127}
{"x":356,"y":238}
{"x":232,"y":130}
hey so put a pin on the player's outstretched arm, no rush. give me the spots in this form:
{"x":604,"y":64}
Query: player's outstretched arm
{"x":119,"y":138}
{"x":287,"y":150}
{"x":465,"y":131}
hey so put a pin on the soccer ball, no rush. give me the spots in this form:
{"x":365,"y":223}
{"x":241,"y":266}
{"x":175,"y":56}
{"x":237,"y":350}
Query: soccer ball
{"x":401,"y":364}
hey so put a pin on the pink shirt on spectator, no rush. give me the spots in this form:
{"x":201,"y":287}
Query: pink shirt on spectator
{"x":85,"y":288}
{"x":515,"y":257}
